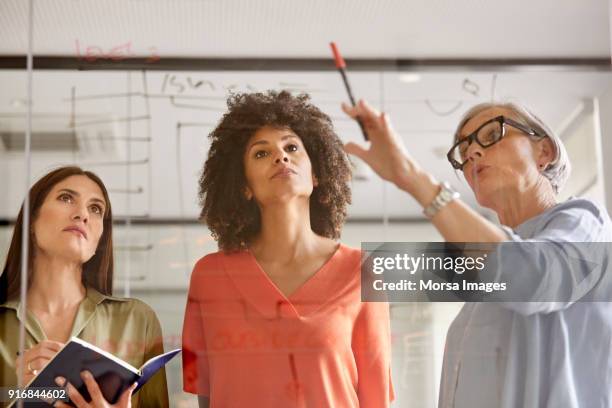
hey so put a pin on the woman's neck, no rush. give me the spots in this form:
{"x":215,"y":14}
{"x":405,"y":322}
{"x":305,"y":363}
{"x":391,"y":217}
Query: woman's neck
{"x":286,"y":233}
{"x":515,"y":208}
{"x":56,"y":284}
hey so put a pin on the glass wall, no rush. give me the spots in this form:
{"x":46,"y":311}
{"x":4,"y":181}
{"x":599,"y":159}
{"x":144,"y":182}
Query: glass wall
{"x":142,"y":128}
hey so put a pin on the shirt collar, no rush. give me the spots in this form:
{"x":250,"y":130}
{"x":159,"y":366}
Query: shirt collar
{"x":97,"y":297}
{"x":87,"y":309}
{"x":85,"y":313}
{"x":11,"y":304}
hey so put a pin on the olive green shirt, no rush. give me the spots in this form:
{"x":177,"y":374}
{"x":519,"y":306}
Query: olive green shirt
{"x":127,"y":328}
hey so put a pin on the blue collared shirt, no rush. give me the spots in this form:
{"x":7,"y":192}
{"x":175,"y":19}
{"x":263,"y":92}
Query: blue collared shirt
{"x":538,"y":354}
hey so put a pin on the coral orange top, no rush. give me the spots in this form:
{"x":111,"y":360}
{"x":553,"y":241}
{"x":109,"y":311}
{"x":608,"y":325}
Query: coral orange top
{"x":246,"y":344}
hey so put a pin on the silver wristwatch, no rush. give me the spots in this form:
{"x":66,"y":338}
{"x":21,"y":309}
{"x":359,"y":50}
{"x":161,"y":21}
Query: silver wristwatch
{"x":445,"y":196}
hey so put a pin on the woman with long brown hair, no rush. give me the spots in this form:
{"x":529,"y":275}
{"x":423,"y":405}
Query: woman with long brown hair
{"x":69,"y":289}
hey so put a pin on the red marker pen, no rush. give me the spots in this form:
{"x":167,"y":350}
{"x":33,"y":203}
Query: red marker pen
{"x":341,"y":65}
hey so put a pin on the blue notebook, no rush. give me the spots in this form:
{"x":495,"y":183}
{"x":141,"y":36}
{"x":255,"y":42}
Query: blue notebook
{"x":112,"y":374}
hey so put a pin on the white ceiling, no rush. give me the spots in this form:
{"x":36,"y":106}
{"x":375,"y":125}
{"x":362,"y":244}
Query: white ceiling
{"x":302,"y":29}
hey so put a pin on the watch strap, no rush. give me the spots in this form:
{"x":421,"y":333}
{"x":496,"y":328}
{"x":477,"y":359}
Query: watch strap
{"x":445,"y":196}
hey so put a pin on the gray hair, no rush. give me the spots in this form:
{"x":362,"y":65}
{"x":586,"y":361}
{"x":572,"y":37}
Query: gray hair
{"x":557,"y":171}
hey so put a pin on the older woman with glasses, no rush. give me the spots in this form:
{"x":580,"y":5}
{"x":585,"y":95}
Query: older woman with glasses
{"x":528,"y":354}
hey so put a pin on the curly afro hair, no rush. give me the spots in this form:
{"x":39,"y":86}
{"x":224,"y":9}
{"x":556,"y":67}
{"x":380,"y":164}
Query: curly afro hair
{"x":234,"y":220}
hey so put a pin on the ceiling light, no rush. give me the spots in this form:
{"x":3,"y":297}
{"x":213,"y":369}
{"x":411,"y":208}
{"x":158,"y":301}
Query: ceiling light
{"x":409,"y":78}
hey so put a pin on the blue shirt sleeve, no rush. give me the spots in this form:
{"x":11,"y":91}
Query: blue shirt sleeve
{"x":555,"y":260}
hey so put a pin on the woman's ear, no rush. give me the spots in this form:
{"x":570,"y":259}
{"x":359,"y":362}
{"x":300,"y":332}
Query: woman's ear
{"x":546,"y":153}
{"x":315,"y":181}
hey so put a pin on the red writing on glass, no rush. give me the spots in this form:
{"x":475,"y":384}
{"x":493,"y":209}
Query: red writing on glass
{"x":92,"y":53}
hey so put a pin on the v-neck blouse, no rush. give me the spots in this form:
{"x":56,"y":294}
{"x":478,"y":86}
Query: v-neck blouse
{"x":246,"y":344}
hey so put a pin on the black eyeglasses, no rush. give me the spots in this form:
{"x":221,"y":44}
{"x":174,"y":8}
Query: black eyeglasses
{"x":489,"y":133}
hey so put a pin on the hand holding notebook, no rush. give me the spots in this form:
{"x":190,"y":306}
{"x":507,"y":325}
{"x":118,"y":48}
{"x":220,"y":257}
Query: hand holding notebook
{"x":112,"y":375}
{"x":97,"y":399}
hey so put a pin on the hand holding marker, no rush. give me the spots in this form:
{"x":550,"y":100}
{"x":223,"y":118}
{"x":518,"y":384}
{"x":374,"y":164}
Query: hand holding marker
{"x":341,"y":65}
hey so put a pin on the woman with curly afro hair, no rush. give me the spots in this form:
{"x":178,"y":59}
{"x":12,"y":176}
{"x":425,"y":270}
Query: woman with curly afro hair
{"x":275,"y":318}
